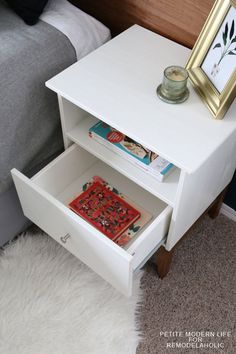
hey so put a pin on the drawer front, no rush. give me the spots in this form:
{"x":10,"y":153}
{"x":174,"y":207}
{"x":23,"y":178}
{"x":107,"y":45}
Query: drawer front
{"x":100,"y":254}
{"x":151,"y":238}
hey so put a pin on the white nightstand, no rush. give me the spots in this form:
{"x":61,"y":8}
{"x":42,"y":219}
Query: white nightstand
{"x":117,"y":84}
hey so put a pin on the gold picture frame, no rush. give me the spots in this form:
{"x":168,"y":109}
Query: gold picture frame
{"x":216,"y":90}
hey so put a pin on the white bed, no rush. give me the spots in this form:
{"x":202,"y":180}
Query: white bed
{"x":84,"y":32}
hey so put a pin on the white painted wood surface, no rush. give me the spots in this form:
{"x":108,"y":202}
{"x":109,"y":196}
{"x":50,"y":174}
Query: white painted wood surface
{"x":63,"y":170}
{"x":117,"y":84}
{"x":199,"y":189}
{"x":150,"y":238}
{"x":45,"y":199}
{"x":71,"y":115}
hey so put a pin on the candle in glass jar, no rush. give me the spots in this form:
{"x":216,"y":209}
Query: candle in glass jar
{"x":174,"y":85}
{"x":176,"y":75}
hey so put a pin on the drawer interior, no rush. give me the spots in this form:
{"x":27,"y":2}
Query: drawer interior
{"x":64,"y":177}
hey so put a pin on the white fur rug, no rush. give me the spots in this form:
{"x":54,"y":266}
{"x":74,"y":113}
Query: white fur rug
{"x":50,"y":303}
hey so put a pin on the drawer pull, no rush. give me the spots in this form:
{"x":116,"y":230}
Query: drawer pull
{"x":65,"y":238}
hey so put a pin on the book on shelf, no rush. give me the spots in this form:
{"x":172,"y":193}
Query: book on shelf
{"x":119,"y":233}
{"x":134,"y":152}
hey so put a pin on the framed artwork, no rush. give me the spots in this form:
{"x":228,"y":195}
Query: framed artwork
{"x":212,"y":64}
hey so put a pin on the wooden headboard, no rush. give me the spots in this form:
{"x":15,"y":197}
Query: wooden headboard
{"x":179,"y":20}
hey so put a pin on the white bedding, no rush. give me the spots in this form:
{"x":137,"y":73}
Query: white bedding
{"x":84,"y":32}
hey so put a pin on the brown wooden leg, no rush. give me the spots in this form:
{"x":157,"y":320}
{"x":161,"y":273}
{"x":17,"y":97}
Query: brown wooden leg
{"x":163,"y":261}
{"x":215,"y":207}
{"x":163,"y":257}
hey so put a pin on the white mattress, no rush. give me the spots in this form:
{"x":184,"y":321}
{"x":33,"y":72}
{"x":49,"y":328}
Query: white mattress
{"x":84,"y":32}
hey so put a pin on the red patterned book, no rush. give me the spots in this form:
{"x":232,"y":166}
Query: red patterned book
{"x":106,"y":211}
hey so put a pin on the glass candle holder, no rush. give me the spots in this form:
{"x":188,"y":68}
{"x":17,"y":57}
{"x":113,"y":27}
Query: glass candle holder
{"x":174,"y":85}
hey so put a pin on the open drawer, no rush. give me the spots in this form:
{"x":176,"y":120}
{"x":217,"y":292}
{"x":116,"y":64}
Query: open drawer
{"x":44,"y":199}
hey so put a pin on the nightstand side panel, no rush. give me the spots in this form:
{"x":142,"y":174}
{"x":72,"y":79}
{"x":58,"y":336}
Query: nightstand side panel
{"x":70,"y":115}
{"x":199,"y":189}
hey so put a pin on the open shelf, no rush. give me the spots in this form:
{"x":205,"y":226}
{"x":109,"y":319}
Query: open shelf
{"x":164,"y":190}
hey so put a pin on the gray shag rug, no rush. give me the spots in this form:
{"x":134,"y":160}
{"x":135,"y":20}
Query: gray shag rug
{"x":197,"y":296}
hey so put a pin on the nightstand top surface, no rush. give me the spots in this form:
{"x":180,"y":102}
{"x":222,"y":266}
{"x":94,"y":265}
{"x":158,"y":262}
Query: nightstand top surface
{"x":117,"y":84}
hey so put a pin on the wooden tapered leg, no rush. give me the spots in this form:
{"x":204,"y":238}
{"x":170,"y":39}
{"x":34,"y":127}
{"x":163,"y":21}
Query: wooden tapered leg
{"x":215,"y":207}
{"x":163,"y":259}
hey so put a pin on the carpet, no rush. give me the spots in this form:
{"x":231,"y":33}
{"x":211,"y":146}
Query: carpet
{"x":198,"y":295}
{"x":51,"y":303}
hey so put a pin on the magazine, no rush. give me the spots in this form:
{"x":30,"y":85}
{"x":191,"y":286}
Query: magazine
{"x":131,"y":150}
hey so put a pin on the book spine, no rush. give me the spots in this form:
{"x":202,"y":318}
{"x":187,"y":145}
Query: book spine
{"x":156,"y":174}
{"x":106,"y":143}
{"x":116,"y":148}
{"x":161,"y":176}
{"x":158,"y":166}
{"x":118,"y":151}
